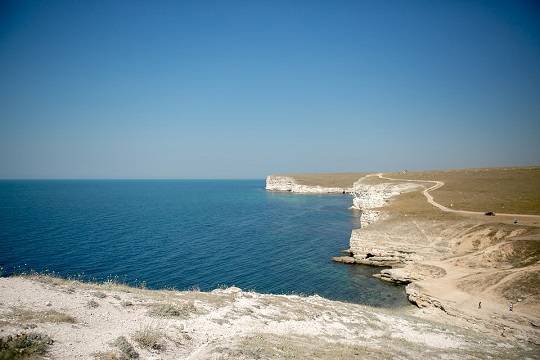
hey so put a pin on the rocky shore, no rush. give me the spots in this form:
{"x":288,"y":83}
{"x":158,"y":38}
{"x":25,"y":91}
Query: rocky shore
{"x":52,"y":318}
{"x":463,"y":268}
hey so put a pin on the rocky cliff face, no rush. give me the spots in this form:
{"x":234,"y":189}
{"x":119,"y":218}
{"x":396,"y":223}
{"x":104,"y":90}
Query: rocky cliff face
{"x":375,"y":247}
{"x":287,"y":183}
{"x":393,"y":242}
{"x":368,"y":198}
{"x":470,"y":267}
{"x":452,"y":263}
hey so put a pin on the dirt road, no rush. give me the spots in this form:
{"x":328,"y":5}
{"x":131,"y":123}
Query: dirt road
{"x":438,"y":184}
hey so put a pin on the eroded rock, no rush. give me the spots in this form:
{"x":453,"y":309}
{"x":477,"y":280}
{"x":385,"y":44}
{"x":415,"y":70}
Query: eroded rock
{"x":287,"y":183}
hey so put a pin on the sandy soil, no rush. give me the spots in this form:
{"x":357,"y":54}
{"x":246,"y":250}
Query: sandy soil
{"x":229,"y":323}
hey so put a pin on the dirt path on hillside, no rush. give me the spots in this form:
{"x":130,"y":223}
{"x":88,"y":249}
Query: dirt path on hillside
{"x":438,"y":184}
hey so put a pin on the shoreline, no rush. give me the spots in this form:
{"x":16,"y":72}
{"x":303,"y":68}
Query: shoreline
{"x":112,"y":321}
{"x":425,"y":255}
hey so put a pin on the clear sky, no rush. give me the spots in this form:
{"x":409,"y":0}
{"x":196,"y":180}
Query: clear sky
{"x":236,"y":89}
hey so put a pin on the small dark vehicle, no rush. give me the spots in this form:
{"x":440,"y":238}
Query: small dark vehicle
{"x":489,"y":213}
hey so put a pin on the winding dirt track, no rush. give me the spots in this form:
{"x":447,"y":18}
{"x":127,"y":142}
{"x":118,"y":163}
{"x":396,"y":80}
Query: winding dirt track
{"x":437,"y":185}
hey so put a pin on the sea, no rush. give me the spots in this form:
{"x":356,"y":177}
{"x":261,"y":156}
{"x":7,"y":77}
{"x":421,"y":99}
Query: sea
{"x":186,"y":234}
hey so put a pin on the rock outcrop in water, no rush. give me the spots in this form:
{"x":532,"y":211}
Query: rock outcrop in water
{"x":287,"y":183}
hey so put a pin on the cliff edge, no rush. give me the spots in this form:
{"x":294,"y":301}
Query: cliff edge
{"x":289,"y":184}
{"x":474,"y":267}
{"x":470,"y":267}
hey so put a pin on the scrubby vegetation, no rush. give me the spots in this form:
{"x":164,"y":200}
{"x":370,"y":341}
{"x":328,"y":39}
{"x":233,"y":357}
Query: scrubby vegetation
{"x":92,"y":304}
{"x":107,"y":355}
{"x":150,"y":338}
{"x":127,"y":350}
{"x":23,"y":346}
{"x":51,"y":316}
{"x":183,"y":310}
{"x":99,"y":294}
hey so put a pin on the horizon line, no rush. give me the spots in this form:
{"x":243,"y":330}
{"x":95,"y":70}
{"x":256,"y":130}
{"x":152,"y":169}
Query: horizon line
{"x":528,"y":166}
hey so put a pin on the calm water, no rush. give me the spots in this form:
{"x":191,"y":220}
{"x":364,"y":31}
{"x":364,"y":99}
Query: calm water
{"x":186,"y":233}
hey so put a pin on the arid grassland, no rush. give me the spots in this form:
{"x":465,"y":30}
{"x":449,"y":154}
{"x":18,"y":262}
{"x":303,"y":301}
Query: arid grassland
{"x":505,"y":190}
{"x":472,"y":267}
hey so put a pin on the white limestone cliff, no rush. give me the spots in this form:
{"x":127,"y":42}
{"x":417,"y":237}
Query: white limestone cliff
{"x":287,"y":183}
{"x":373,"y":247}
{"x":369,"y":197}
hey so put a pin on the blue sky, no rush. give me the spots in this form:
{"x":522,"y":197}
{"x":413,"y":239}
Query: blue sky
{"x":242,"y":89}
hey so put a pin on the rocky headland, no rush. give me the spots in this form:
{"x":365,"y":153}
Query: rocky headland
{"x":289,"y":184}
{"x":460,"y":267}
{"x":369,"y":197}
